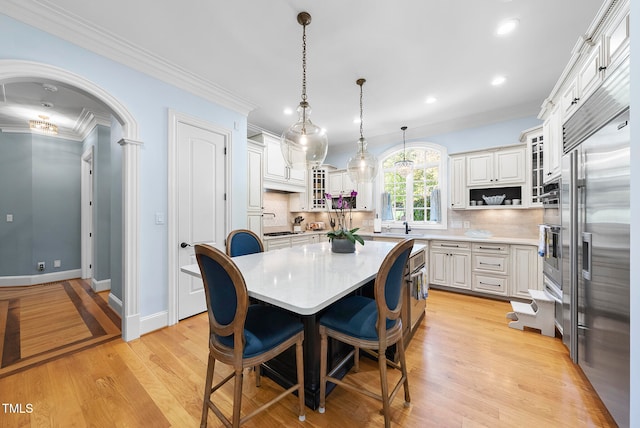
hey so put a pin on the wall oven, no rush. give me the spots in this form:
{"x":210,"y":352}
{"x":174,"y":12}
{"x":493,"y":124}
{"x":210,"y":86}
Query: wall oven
{"x":551,"y":247}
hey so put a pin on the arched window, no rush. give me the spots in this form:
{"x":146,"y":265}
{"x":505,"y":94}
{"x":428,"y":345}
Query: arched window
{"x":421,"y":197}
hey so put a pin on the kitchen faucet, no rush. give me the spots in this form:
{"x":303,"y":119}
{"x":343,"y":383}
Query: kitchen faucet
{"x":407,"y":229}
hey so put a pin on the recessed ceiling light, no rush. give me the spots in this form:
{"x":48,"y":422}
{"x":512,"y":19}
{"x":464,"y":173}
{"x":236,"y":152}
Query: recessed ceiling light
{"x":431,"y":100}
{"x":356,"y":120}
{"x":287,"y":111}
{"x":507,"y":26}
{"x":498,"y":80}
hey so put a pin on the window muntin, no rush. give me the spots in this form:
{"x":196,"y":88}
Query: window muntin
{"x":412,"y":198}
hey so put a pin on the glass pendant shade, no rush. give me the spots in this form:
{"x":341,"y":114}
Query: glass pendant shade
{"x":363,"y":166}
{"x":404,"y":167}
{"x":304,"y":145}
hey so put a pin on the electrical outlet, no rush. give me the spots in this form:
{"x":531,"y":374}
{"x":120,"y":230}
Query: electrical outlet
{"x":41,"y":266}
{"x":56,"y":263}
{"x":466,"y":225}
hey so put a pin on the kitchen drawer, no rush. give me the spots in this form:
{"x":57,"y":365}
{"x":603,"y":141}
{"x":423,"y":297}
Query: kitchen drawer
{"x":451,"y":245}
{"x":490,"y":263}
{"x":490,"y":284}
{"x":274,"y":244}
{"x":300,"y":240}
{"x":490,"y":248}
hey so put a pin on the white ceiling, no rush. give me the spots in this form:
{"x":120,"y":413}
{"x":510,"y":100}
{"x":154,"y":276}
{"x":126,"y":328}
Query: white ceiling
{"x":250,"y":51}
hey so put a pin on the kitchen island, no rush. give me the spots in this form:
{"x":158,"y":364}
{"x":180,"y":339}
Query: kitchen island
{"x":306,"y":280}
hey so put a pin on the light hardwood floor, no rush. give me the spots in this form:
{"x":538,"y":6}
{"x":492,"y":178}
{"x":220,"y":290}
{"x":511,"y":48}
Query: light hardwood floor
{"x":466,"y":369}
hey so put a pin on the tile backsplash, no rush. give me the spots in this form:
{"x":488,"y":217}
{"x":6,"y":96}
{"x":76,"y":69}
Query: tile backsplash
{"x":508,"y":223}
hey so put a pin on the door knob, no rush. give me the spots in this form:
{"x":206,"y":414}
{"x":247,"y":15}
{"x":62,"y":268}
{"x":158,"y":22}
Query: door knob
{"x":184,"y":245}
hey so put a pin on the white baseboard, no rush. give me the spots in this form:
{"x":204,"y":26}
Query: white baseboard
{"x":154,"y":322}
{"x":99,"y":286}
{"x":115,"y":304}
{"x":12,"y":281}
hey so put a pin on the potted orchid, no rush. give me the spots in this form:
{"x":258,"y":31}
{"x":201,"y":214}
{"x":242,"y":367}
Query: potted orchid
{"x":343,"y":239}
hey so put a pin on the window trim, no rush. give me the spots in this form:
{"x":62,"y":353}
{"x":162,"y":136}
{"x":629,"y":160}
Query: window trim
{"x":443,"y":184}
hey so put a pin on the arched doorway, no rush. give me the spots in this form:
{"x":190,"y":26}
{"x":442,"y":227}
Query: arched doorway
{"x":16,"y":70}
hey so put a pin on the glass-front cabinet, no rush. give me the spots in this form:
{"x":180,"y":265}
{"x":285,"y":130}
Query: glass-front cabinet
{"x":318,"y":183}
{"x":534,"y":138}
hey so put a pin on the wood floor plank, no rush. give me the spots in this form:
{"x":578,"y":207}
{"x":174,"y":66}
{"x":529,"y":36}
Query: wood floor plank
{"x":467,"y":368}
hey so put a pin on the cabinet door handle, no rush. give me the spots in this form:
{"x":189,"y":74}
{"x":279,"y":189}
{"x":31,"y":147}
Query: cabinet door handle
{"x":490,"y":248}
{"x":491,"y":264}
{"x":449,"y":246}
{"x":602,"y":68}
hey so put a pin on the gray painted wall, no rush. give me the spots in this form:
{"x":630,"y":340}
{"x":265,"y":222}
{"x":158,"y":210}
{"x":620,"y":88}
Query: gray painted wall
{"x":15,"y":199}
{"x":40,"y":187}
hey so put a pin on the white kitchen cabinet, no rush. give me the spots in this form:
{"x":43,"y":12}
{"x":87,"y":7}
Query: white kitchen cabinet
{"x":552,"y":134}
{"x":255,"y":189}
{"x":457,"y":182}
{"x":318,"y":186}
{"x":616,"y":41}
{"x":490,"y":265}
{"x":276,"y":243}
{"x":277,"y":175}
{"x":341,"y":183}
{"x":496,"y":167}
{"x":526,"y":271}
{"x":450,"y":264}
{"x":300,"y":240}
{"x":534,"y":138}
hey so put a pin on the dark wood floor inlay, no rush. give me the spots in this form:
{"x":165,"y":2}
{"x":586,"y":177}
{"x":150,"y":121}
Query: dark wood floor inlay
{"x":92,"y":315}
{"x":92,"y":324}
{"x":11,"y":347}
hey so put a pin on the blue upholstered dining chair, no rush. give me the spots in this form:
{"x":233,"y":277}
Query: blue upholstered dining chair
{"x":243,"y":241}
{"x":239,"y":335}
{"x":371,"y":325}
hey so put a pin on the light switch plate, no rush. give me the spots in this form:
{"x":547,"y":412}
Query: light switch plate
{"x":159,"y":218}
{"x":9,"y":218}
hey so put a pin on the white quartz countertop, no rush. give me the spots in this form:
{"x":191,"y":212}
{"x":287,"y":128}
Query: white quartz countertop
{"x":453,"y":237}
{"x":307,"y":278}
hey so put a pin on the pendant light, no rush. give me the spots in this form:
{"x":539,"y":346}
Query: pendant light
{"x":363,"y":166}
{"x":304,"y":145}
{"x":405,"y":166}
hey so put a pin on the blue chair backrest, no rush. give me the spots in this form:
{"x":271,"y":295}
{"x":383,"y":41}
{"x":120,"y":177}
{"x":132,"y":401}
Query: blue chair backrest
{"x":395,"y":280}
{"x":223,"y":299}
{"x":244,"y":243}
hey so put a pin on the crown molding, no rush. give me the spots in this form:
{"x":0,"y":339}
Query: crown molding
{"x":53,"y":19}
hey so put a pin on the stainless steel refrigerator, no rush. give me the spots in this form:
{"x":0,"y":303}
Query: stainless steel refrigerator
{"x":595,"y":258}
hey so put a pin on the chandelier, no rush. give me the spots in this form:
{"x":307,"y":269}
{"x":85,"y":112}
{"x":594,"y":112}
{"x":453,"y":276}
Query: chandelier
{"x":43,"y":125}
{"x":363,"y":166}
{"x":404,"y":166}
{"x":304,"y":145}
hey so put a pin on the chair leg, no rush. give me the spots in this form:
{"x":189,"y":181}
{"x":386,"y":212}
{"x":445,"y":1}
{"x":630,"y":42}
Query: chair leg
{"x":382,"y":365}
{"x":257,"y":370}
{"x":300,"y":368}
{"x":403,"y":367}
{"x":207,"y":391}
{"x":356,"y":359}
{"x":237,"y":397}
{"x":323,"y":369}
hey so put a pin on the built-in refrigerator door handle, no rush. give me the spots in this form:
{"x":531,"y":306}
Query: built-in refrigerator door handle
{"x":586,"y":255}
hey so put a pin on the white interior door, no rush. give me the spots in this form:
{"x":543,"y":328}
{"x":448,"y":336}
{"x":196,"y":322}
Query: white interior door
{"x":201,"y":205}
